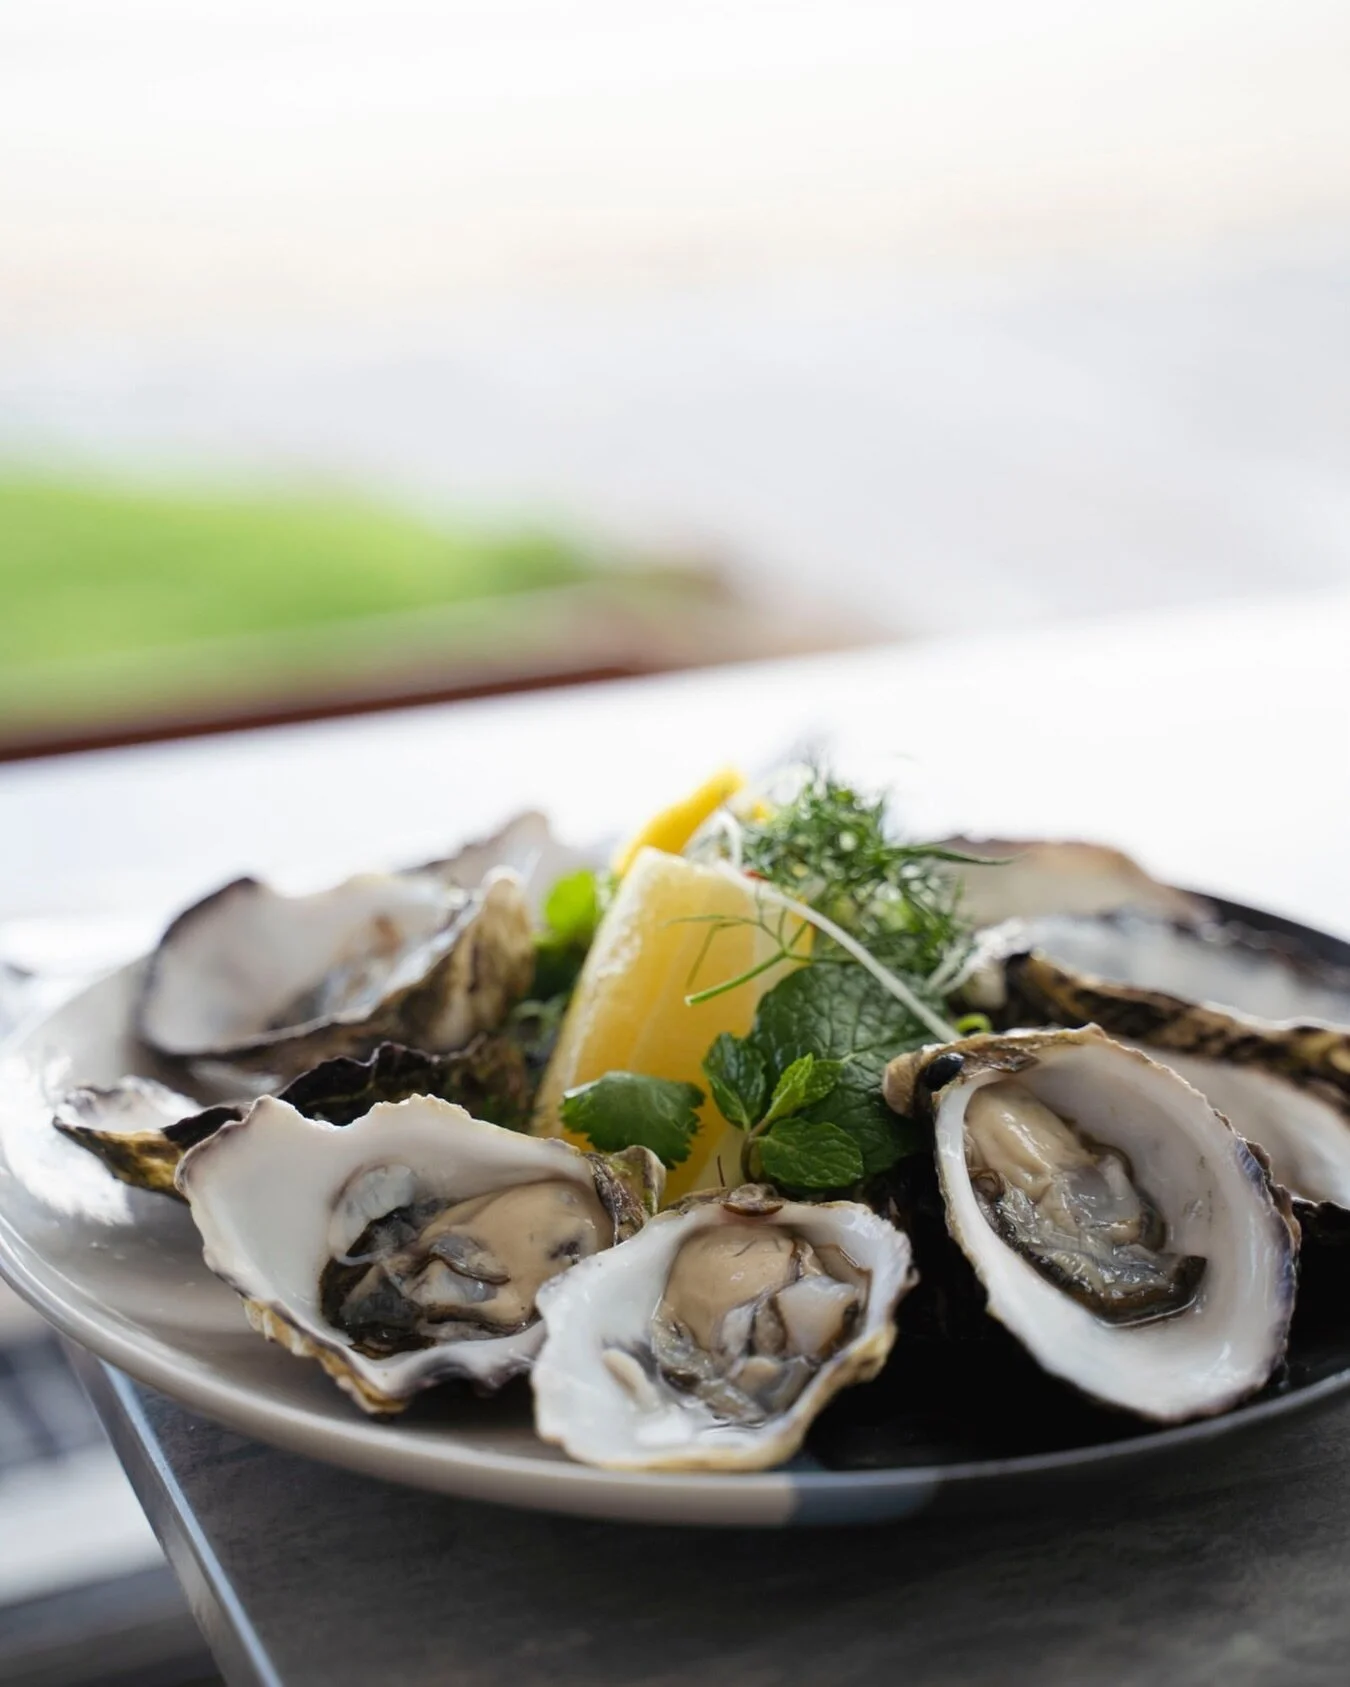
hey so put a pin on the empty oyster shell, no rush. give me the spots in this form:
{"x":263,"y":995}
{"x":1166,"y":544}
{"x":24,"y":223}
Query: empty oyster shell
{"x":1122,"y":1230}
{"x":714,"y":1338}
{"x":272,"y":984}
{"x":1033,"y":877}
{"x":405,"y":1248}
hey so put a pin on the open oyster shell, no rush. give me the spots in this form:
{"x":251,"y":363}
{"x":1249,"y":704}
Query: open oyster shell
{"x":713,"y":1339}
{"x":282,"y":1202}
{"x":1262,"y":1030}
{"x":1121,"y":1229}
{"x":253,"y":980}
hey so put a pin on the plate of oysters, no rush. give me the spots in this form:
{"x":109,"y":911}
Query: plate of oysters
{"x":772,"y":1168}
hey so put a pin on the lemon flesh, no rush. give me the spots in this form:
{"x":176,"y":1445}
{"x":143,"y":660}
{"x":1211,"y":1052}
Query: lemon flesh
{"x":628,"y":1012}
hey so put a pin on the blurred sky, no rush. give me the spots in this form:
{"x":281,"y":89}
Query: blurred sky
{"x":974,"y":313}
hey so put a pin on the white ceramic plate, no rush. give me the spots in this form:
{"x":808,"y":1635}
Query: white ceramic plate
{"x":120,"y":1271}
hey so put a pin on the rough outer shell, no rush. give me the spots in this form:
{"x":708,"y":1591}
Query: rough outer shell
{"x":608,"y":1301}
{"x":141,"y":1130}
{"x":263,"y":1191}
{"x":1214,"y":1191}
{"x":126,"y":1126}
{"x":1284,"y":1082}
{"x":1222,"y":965}
{"x":229,"y":966}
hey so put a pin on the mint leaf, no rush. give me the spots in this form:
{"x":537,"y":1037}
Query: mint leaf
{"x":626,"y":1110}
{"x":808,"y":1079}
{"x":810,"y":1154}
{"x":572,"y":907}
{"x":737,"y":1078}
{"x":841,"y":1013}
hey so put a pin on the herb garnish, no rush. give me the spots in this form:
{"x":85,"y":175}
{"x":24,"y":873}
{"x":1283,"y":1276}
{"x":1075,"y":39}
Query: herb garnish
{"x":821,"y":1037}
{"x":875,"y":930}
{"x":830,"y":847}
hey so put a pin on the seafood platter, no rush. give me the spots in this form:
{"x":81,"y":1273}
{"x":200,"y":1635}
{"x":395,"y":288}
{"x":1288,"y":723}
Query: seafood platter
{"x":773,"y":1167}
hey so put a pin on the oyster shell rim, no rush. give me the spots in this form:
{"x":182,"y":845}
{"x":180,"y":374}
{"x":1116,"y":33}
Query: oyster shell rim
{"x":742,"y":1448}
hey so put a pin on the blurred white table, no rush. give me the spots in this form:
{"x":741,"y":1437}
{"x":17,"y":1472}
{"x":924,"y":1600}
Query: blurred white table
{"x":1213,"y":743}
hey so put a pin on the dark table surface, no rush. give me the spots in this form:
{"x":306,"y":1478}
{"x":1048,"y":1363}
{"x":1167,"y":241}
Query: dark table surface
{"x":1231,"y":1570}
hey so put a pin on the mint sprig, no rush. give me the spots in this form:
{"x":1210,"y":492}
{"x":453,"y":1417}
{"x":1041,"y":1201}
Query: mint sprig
{"x":807,"y":1080}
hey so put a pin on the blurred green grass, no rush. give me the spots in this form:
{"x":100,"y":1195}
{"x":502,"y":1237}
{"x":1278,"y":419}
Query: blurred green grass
{"x":123,"y":603}
{"x":86,"y":570}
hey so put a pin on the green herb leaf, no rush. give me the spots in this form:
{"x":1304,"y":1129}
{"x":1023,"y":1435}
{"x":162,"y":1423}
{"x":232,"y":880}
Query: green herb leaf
{"x":627,"y":1109}
{"x":810,"y":1154}
{"x":572,"y":907}
{"x":841,"y":1014}
{"x":737,"y":1078}
{"x":572,"y":911}
{"x":808,"y":1079}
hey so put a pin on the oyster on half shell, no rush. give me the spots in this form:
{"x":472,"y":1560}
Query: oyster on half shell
{"x":714,"y":1338}
{"x":407,"y":1247}
{"x":1121,"y":1229}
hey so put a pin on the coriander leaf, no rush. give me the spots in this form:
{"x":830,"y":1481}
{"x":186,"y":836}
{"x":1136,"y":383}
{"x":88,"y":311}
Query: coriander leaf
{"x":572,"y":907}
{"x":810,"y":1154}
{"x":627,"y":1109}
{"x":807,"y":1079}
{"x":841,"y":1013}
{"x":737,"y":1078}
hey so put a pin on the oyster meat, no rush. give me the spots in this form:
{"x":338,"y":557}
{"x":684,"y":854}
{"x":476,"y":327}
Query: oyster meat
{"x":1072,"y":1207}
{"x":407,"y":1247}
{"x":713,"y":1339}
{"x":1121,"y":1229}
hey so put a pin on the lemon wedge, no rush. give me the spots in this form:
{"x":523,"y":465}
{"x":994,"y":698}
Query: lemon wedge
{"x":673,"y":827}
{"x":628,"y":1013}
